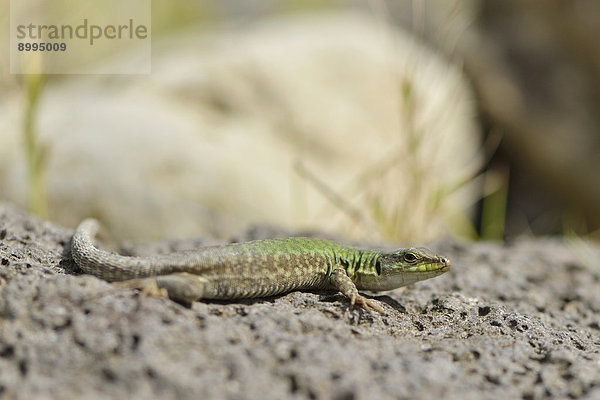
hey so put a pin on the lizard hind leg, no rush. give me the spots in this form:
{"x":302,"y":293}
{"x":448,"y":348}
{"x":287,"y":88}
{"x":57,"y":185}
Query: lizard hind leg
{"x":181,"y":287}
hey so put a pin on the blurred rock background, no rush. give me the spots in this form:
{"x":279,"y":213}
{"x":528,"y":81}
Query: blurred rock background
{"x":403,"y":121}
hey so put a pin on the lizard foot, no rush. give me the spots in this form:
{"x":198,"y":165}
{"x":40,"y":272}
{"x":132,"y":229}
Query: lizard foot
{"x":147,"y":287}
{"x":367,"y":304}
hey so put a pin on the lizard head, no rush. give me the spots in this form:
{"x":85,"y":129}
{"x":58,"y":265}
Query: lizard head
{"x":403,"y":267}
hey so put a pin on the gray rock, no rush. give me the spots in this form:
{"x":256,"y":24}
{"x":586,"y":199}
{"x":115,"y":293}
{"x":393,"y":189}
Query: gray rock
{"x":509,"y":321}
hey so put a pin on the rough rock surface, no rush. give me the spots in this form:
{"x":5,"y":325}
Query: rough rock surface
{"x":518,"y":321}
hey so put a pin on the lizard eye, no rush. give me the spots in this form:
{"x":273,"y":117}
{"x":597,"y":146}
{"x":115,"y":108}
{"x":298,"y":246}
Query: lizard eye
{"x":410,"y":257}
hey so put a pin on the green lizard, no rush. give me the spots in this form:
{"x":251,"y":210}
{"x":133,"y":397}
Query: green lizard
{"x":259,"y":268}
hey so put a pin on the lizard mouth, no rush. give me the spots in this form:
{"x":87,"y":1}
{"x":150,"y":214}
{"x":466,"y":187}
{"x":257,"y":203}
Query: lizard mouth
{"x":431,"y":267}
{"x":438,"y":264}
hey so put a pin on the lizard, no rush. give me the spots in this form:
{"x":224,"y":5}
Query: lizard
{"x":259,"y":268}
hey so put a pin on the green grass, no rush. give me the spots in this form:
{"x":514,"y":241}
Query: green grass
{"x":493,"y":212}
{"x":35,"y":152}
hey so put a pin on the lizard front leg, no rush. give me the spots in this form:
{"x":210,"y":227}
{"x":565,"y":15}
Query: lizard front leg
{"x":341,"y":281}
{"x":182,"y":287}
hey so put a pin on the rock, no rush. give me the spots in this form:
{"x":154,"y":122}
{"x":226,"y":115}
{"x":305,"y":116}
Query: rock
{"x":247,"y":125}
{"x":509,"y":321}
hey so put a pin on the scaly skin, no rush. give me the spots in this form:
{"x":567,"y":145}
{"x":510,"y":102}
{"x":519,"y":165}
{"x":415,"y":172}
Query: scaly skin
{"x":260,"y":268}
